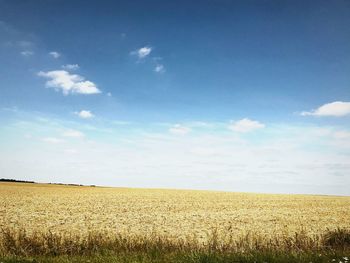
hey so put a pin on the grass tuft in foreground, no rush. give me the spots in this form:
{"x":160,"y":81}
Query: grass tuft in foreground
{"x":19,"y":246}
{"x":338,"y":238}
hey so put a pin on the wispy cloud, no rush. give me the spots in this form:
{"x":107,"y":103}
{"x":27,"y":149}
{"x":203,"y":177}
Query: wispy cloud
{"x":24,"y":43}
{"x":342,"y":135}
{"x":71,"y":67}
{"x":73,"y":134}
{"x":246,"y":125}
{"x":54,"y":54}
{"x":336,"y":109}
{"x":179,"y":129}
{"x":27,"y":53}
{"x":85,"y":114}
{"x":69,"y":83}
{"x":201,"y":124}
{"x":159,"y":68}
{"x":11,"y":109}
{"x":70,"y":151}
{"x":118,"y":122}
{"x":142,"y":52}
{"x":52,"y":140}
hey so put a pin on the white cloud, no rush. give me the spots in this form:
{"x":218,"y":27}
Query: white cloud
{"x":142,"y":52}
{"x":69,"y":83}
{"x":27,"y":53}
{"x":54,"y":54}
{"x":85,"y":114}
{"x":337,"y":109}
{"x":52,"y":140}
{"x":73,"y":134}
{"x":159,"y":68}
{"x":179,"y":129}
{"x":246,"y":125}
{"x":71,"y":67}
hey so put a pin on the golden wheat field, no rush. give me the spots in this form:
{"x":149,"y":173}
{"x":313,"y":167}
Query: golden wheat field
{"x":170,"y":213}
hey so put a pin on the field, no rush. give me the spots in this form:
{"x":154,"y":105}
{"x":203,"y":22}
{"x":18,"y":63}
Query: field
{"x":176,"y":216}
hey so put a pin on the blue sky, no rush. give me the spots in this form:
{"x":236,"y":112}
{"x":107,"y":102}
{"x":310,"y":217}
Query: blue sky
{"x":222,"y":95}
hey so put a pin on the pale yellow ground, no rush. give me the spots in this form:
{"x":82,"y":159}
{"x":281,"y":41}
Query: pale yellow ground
{"x":173,"y":213}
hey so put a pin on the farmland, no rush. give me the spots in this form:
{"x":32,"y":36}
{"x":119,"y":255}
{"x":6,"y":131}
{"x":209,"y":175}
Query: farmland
{"x":173,"y":215}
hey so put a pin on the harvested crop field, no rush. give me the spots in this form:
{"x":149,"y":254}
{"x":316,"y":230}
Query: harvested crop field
{"x":174,"y":214}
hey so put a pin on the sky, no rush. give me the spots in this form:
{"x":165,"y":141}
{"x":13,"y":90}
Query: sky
{"x":246,"y":96}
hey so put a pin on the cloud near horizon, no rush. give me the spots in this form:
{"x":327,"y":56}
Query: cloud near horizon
{"x":336,"y":109}
{"x":179,"y":129}
{"x":287,"y":158}
{"x":69,"y":83}
{"x":73,"y":134}
{"x":245,"y":125}
{"x":53,"y":140}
